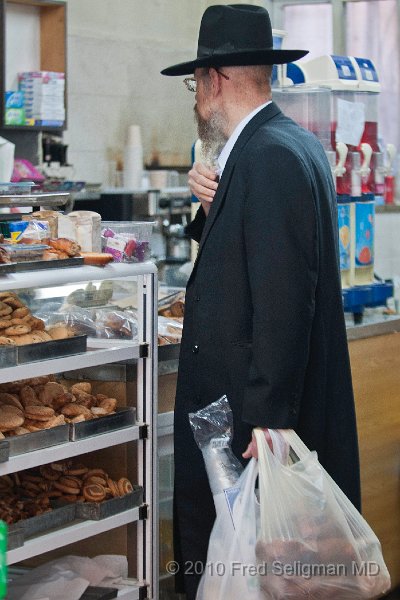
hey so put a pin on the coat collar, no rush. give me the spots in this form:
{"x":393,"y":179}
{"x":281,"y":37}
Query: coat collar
{"x":259,"y":119}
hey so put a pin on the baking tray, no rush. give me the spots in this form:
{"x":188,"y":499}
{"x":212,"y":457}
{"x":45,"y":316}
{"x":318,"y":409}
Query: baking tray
{"x":39,"y":265}
{"x":15,"y":537}
{"x":99,"y":593}
{"x":20,"y":444}
{"x":54,"y":349}
{"x":50,"y":520}
{"x":123,"y":417}
{"x":8,"y":356}
{"x":94,"y":511}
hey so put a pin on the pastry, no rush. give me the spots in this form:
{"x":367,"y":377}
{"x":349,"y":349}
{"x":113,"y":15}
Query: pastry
{"x":109,"y":404}
{"x":94,"y":492}
{"x":124,"y":486}
{"x":113,"y":487}
{"x":77,"y":470}
{"x":51,"y":390}
{"x":11,"y":399}
{"x":39,"y":413}
{"x":98,"y":411}
{"x":67,"y":489}
{"x":83,"y":386}
{"x":70,"y":247}
{"x":60,"y":332}
{"x":49,"y":473}
{"x":10,"y":419}
{"x":97,"y":258}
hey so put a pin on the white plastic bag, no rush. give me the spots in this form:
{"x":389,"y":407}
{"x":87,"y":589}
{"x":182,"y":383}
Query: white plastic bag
{"x":302,"y":539}
{"x":312,"y":540}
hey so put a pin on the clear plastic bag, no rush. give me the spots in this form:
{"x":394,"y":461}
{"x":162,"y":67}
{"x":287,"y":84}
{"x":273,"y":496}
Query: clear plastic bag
{"x":300,"y":537}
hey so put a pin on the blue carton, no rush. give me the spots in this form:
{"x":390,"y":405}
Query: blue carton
{"x":14,"y":99}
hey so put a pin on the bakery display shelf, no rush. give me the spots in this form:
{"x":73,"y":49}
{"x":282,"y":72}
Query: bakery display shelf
{"x":91,"y":358}
{"x":124,"y":416}
{"x":40,"y":265}
{"x":69,"y":450}
{"x":56,"y":277}
{"x":60,"y":537}
{"x":36,"y":440}
{"x":49,"y":199}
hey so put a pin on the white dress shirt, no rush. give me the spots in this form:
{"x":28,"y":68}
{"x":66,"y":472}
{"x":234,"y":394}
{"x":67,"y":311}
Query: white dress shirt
{"x":227,"y":149}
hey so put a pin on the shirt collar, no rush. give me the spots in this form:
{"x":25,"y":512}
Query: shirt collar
{"x":227,"y":149}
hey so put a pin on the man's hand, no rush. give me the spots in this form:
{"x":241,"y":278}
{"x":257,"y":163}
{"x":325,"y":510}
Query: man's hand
{"x":251,"y":450}
{"x":203,"y":184}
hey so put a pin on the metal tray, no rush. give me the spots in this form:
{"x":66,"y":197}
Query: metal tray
{"x":99,"y":593}
{"x":39,"y":265}
{"x":94,"y":511}
{"x":123,"y":417}
{"x":20,"y":444}
{"x":50,"y":520}
{"x":49,"y":199}
{"x":15,"y":537}
{"x":8,"y":356}
{"x":54,"y":349}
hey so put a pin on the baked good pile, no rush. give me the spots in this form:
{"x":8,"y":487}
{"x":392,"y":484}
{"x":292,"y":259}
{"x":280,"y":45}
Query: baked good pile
{"x":39,"y":403}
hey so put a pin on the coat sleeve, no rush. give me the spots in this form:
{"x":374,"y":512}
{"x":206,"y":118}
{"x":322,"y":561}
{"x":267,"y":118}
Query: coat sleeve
{"x":281,"y":240}
{"x":195,"y":227}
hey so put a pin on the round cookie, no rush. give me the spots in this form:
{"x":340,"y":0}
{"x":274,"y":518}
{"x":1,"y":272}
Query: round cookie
{"x":5,"y":309}
{"x":39,"y":413}
{"x":6,"y":341}
{"x":17,"y":330}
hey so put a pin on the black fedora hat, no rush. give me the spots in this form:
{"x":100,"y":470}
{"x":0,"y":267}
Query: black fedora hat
{"x":235,"y":35}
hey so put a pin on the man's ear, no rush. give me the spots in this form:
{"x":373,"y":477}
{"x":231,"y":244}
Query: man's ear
{"x":214,"y":81}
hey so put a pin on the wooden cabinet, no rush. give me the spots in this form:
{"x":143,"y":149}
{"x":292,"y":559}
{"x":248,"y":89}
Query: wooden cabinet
{"x":46,"y":46}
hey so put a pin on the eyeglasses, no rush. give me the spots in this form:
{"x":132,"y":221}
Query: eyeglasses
{"x":191,"y":82}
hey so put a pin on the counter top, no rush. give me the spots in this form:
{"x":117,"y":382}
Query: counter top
{"x":373,"y":324}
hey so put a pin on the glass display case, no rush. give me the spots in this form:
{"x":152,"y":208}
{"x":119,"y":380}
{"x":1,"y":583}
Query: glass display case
{"x":76,"y":422}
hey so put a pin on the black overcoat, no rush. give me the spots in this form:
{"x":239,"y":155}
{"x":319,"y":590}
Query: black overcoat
{"x":264,"y":320}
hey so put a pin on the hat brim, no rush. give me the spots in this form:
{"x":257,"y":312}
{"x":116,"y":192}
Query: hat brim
{"x":236,"y":59}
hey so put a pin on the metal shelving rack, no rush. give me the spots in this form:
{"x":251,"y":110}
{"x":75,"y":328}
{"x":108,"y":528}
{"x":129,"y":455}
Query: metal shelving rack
{"x":143,"y":433}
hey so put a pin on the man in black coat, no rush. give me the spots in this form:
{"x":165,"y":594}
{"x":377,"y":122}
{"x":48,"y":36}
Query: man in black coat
{"x":264,"y":320}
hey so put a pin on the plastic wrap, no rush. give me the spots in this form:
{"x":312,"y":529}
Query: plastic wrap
{"x":213,"y":431}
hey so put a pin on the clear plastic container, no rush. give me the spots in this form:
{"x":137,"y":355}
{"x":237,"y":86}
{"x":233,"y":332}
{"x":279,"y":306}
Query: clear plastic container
{"x":127,"y":241}
{"x":11,"y":189}
{"x":24,"y":252}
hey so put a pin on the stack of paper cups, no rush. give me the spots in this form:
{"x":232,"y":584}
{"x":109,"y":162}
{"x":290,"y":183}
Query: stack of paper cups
{"x":133,"y":159}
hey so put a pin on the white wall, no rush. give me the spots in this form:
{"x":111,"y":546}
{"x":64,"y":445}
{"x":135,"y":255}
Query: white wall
{"x":387,"y":246}
{"x":116,"y":49}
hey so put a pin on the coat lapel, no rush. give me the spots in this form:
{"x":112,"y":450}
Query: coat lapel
{"x":260,"y":118}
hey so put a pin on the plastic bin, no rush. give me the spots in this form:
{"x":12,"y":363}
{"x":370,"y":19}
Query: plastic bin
{"x":127,"y":241}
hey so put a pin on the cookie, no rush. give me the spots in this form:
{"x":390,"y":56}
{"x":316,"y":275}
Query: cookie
{"x":74,"y":409}
{"x":28,"y":396}
{"x":6,"y":341}
{"x":18,"y":313}
{"x":5,"y":322}
{"x":10,"y":419}
{"x":5,"y":309}
{"x":13,"y":301}
{"x":55,"y":422}
{"x":83,"y":386}
{"x":39,"y":413}
{"x":10,"y":399}
{"x":17,"y":330}
{"x":51,"y":390}
{"x":37,"y":325}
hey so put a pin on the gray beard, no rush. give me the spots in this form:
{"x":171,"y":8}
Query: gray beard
{"x":211,"y":134}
